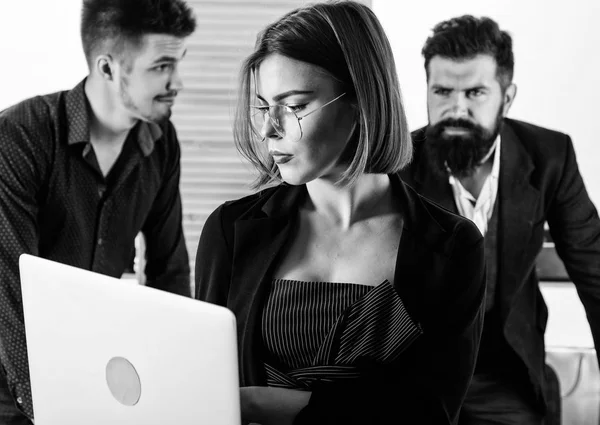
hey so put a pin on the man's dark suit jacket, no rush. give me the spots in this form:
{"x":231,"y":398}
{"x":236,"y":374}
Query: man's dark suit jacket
{"x":539,"y":182}
{"x":439,"y":275}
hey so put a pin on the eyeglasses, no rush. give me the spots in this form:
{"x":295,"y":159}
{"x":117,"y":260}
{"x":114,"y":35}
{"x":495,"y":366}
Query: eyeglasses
{"x":283,"y":118}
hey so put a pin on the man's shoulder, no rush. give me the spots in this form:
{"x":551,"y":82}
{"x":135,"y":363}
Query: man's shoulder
{"x":531,"y":132}
{"x":34,"y":111}
{"x":541,"y":143}
{"x":418,"y":141}
{"x":419,"y":133}
{"x":418,"y":137}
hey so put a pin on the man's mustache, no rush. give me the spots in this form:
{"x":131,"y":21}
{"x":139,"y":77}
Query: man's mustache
{"x":169,"y":95}
{"x":456,"y":122}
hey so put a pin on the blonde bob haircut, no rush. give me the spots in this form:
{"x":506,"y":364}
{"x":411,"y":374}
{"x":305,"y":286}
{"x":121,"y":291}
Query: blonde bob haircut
{"x":345,"y":39}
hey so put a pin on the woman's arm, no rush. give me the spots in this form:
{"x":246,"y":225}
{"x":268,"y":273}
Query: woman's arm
{"x":213,"y":261}
{"x":272,"y":406}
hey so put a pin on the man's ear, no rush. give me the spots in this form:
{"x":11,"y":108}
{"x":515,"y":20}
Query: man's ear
{"x":105,"y":67}
{"x":509,"y":96}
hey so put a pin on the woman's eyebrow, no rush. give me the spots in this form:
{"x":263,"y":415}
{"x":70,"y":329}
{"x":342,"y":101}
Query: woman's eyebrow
{"x":285,"y":94}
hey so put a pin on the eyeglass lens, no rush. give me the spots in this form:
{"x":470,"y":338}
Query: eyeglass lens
{"x":283,"y":120}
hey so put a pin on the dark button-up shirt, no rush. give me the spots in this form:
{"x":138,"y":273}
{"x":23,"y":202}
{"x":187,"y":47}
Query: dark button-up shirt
{"x":56,"y":203}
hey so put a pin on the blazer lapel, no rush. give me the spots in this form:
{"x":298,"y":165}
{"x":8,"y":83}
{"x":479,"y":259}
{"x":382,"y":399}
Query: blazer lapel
{"x":518,"y":203}
{"x":257,"y":243}
{"x":414,"y":252}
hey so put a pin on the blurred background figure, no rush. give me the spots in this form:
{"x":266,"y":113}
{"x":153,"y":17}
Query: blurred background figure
{"x":83,"y":171}
{"x":509,"y":177}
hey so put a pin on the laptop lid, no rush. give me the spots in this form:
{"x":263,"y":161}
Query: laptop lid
{"x":104,"y":351}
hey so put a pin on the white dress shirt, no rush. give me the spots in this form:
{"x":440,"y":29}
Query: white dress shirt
{"x":479,"y":210}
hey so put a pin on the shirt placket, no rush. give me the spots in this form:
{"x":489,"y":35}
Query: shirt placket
{"x":103,"y":231}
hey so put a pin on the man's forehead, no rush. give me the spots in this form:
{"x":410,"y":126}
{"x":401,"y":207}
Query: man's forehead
{"x":480,"y":69}
{"x":162,"y":45}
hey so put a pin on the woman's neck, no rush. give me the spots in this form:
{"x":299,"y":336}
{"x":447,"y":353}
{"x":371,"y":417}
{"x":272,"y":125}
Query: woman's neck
{"x":346,"y":205}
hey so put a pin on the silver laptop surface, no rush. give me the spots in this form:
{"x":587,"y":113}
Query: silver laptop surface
{"x":103,"y":351}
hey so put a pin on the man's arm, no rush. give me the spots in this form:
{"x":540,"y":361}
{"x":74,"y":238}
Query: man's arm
{"x":167,"y":261}
{"x":21,"y":172}
{"x":271,"y":405}
{"x":575,"y":229}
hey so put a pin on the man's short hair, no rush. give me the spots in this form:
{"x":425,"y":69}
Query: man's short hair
{"x":111,"y":25}
{"x":465,"y":37}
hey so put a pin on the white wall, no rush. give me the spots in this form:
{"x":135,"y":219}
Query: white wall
{"x":40,"y":48}
{"x":557,"y":50}
{"x":557,"y":63}
{"x":556,"y":44}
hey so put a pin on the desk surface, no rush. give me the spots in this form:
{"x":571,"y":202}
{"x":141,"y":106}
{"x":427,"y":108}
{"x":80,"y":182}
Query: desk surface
{"x":567,"y":322}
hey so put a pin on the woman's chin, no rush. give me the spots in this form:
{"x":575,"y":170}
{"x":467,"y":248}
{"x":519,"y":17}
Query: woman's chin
{"x":294,"y":181}
{"x":294,"y":178}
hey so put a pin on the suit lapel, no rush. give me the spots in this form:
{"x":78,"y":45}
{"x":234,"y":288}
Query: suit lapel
{"x":257,"y":243}
{"x":518,"y":203}
{"x":414,"y":251}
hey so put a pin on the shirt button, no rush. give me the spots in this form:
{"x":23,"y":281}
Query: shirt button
{"x":19,"y":400}
{"x":100,"y":241}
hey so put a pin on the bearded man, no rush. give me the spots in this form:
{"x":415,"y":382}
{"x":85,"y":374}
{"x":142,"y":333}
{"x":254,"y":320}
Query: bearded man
{"x":510,"y":178}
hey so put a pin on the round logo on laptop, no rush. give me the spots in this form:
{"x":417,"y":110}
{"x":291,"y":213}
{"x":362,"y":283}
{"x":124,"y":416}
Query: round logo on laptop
{"x":123,"y":381}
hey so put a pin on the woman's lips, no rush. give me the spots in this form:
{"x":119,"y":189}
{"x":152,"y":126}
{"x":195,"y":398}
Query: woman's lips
{"x":281,"y":158}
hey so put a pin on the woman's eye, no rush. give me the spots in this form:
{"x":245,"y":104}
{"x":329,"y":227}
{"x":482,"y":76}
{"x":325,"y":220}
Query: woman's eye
{"x":296,"y":108}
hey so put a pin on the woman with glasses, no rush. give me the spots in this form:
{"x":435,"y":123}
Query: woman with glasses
{"x":357,"y":301}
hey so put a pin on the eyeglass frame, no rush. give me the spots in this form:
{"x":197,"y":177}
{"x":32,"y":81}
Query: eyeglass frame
{"x":267,"y":110}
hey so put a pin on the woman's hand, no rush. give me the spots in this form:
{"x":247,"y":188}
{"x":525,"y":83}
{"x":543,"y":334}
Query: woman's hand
{"x":271,"y":406}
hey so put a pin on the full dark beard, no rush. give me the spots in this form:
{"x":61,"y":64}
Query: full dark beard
{"x":459,"y":155}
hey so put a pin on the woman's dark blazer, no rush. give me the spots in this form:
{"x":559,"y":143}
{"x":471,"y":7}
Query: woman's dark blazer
{"x":439,"y":276}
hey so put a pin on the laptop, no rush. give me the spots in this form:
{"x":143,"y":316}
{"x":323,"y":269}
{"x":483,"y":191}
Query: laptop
{"x":104,"y":351}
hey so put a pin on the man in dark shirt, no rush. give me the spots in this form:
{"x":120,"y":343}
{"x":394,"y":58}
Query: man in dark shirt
{"x":509,"y":177}
{"x":82,"y":172}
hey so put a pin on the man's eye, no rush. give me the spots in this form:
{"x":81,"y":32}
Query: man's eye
{"x":442,"y":92}
{"x":475,"y":93}
{"x":164,"y":67}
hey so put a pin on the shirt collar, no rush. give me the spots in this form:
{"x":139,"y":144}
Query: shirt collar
{"x":147,"y":134}
{"x":78,"y":115}
{"x":78,"y":120}
{"x":496,"y":165}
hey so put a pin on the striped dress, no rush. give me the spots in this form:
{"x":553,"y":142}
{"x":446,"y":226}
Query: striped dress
{"x":317,"y":331}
